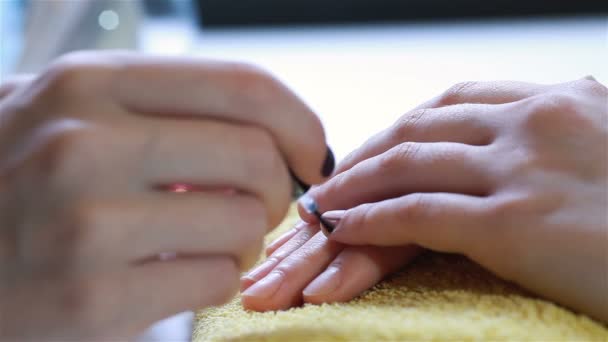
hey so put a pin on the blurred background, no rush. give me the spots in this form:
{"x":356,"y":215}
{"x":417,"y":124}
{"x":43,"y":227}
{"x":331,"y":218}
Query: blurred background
{"x":359,"y":63}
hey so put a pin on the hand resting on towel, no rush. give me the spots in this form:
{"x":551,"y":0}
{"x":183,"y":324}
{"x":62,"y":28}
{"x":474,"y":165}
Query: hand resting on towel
{"x":513,"y":175}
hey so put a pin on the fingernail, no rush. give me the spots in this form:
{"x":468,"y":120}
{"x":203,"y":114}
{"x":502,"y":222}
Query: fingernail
{"x":282,"y":239}
{"x":266,"y":287}
{"x":329,"y":164}
{"x":326,"y":283}
{"x":282,"y":236}
{"x":264,"y":268}
{"x":309,"y":204}
{"x":299,"y":225}
{"x":332,"y":218}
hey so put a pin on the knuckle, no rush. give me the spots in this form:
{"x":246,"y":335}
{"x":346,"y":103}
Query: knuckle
{"x":403,"y":129}
{"x":359,"y":218}
{"x":526,"y":205}
{"x":519,"y":164}
{"x":506,"y":208}
{"x":254,"y":83}
{"x":64,"y":154}
{"x":408,"y":150}
{"x":559,"y":109}
{"x":415,"y":209}
{"x":563,"y":103}
{"x":592,"y":86}
{"x":457,"y":93}
{"x":74,"y":74}
{"x":394,"y":159}
{"x":66,"y":77}
{"x":334,"y":186}
{"x":351,"y":159}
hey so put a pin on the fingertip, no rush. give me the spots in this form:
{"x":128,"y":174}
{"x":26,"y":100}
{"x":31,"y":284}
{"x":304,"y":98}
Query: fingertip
{"x":306,"y":216}
{"x":246,"y":283}
{"x":254,"y":303}
{"x":329,"y":164}
{"x":316,"y":299}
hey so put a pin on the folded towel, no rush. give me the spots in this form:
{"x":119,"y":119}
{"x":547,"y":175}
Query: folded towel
{"x":437,"y":297}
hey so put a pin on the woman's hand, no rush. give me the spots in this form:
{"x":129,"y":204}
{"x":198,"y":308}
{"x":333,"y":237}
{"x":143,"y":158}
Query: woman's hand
{"x":97,"y":238}
{"x":512,"y":175}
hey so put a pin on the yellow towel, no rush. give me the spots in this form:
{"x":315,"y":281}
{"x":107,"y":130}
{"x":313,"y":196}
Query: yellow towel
{"x":438,"y":297}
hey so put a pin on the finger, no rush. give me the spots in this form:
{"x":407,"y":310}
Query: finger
{"x":14,"y":83}
{"x":136,"y":158}
{"x":585,"y":86}
{"x":120,"y":304}
{"x":490,"y":92}
{"x":214,"y":153}
{"x":159,"y":290}
{"x":438,"y":221}
{"x":356,"y":269}
{"x":447,"y":129}
{"x":472,"y":124}
{"x":483,"y":93}
{"x":496,"y":92}
{"x":282,"y":287}
{"x":227,"y":91}
{"x":304,"y":234}
{"x":281,"y":240}
{"x":117,"y":232}
{"x":404,"y":169}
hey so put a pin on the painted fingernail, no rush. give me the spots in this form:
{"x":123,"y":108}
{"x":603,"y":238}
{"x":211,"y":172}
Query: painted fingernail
{"x":326,"y":283}
{"x":281,"y":240}
{"x":299,"y":187}
{"x":328,"y":164}
{"x":261,"y":270}
{"x":332,"y":218}
{"x":308,"y":203}
{"x":266,"y":287}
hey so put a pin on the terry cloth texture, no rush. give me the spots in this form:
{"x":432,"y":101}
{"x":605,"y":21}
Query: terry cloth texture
{"x":437,"y":297}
